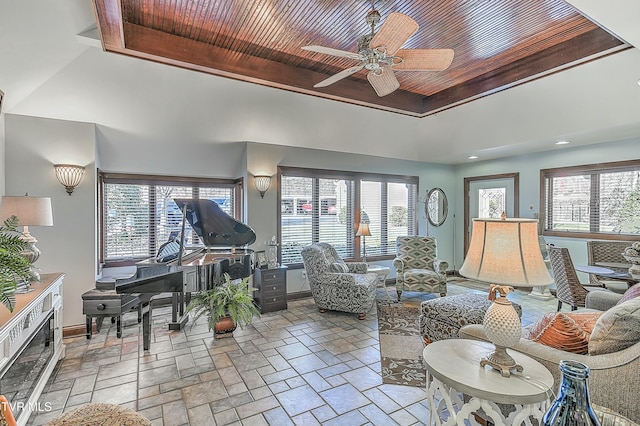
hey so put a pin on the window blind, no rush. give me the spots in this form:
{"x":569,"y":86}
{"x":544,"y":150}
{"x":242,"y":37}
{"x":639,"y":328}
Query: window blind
{"x":137,"y":218}
{"x":593,"y":201}
{"x":323,"y":206}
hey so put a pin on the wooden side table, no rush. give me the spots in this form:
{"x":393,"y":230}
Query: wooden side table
{"x":453,"y":369}
{"x":271,"y":289}
{"x":382,"y":272}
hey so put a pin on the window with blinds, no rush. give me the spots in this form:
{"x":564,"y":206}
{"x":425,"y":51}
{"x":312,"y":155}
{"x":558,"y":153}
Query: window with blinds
{"x":325,"y":206}
{"x":592,"y":201}
{"x":139,"y":215}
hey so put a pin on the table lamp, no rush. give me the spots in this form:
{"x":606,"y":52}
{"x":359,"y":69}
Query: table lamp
{"x":363,"y":231}
{"x":505,"y":253}
{"x":30,"y":211}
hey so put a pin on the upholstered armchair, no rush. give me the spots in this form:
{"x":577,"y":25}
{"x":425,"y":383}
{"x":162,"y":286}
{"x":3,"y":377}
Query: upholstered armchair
{"x":337,"y":285}
{"x":417,"y":268}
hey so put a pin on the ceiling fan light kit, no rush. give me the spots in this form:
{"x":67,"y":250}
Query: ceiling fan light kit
{"x":380,"y":53}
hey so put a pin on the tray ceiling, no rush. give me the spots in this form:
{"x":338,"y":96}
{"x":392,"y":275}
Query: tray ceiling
{"x":497,"y":44}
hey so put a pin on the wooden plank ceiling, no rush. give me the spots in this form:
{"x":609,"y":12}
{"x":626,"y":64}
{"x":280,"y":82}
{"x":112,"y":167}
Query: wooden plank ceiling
{"x":497,"y":43}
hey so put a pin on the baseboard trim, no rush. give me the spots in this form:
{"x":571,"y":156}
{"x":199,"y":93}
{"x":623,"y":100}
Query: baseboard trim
{"x":298,"y":295}
{"x":77,"y":330}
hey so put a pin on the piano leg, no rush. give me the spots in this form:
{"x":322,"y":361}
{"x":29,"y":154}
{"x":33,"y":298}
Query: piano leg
{"x":146,"y":327}
{"x":177,"y":306}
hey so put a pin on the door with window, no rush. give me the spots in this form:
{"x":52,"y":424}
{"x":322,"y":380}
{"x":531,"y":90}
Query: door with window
{"x":488,"y":197}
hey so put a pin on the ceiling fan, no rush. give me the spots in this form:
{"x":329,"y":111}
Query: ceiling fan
{"x":380,"y":53}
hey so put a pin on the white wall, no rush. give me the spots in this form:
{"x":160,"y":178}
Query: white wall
{"x":33,"y":145}
{"x":529,"y":167}
{"x":264,"y":159}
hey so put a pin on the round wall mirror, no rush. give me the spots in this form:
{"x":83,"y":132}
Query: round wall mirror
{"x":436,"y":206}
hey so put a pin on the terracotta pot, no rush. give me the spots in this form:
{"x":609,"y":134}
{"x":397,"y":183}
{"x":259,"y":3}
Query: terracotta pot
{"x":224,"y":328}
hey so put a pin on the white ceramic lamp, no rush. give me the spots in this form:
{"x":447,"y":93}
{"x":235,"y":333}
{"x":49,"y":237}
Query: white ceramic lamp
{"x":30,"y":211}
{"x":505,"y":253}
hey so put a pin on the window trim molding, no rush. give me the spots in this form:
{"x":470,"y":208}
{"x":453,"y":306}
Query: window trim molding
{"x":357,"y":177}
{"x":614,"y":166}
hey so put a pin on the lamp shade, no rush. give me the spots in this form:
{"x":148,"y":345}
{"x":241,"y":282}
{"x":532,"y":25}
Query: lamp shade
{"x":363,"y":230}
{"x":30,"y":211}
{"x":506,"y":251}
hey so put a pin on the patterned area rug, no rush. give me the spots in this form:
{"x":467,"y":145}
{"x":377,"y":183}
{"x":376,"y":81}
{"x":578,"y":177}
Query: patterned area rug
{"x":400,"y":341}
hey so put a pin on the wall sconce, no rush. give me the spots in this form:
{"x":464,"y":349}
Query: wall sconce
{"x":263,"y":183}
{"x":69,"y":175}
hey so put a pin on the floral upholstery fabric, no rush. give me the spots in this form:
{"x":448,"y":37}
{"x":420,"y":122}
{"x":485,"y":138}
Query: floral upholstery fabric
{"x":417,"y":266}
{"x":353,"y":291}
{"x":443,"y":317}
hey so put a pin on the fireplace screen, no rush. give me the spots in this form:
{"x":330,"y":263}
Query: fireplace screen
{"x":20,"y":376}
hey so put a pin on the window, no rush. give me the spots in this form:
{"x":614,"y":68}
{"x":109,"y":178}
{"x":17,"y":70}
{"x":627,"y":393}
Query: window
{"x":318,"y":205}
{"x":594,"y":201}
{"x":138,"y":213}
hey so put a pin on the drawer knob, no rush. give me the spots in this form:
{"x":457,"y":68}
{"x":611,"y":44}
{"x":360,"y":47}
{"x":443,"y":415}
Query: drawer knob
{"x":274,"y":287}
{"x":274,"y":299}
{"x":100,"y":307}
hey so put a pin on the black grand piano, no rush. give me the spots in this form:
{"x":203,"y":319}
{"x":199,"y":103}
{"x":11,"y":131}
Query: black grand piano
{"x":179,"y":270}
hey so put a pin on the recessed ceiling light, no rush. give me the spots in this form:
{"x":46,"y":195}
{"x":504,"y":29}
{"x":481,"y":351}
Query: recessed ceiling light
{"x":473,"y":157}
{"x":562,"y":142}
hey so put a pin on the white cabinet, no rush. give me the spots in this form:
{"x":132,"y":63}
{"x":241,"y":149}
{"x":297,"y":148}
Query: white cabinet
{"x":31,"y":344}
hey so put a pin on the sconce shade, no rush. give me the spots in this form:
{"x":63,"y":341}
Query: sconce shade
{"x":363,"y":230}
{"x":69,"y":175}
{"x":263,"y":183}
{"x":30,"y":211}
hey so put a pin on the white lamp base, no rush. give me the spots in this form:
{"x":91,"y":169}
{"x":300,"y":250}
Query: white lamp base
{"x":502,"y":327}
{"x":500,"y":360}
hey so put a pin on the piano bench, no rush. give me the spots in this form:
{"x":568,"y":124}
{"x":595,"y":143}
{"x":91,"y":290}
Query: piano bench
{"x":107,"y":303}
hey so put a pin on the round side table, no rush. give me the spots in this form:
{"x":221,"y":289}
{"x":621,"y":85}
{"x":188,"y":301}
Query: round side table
{"x":453,"y":369}
{"x":382,"y":272}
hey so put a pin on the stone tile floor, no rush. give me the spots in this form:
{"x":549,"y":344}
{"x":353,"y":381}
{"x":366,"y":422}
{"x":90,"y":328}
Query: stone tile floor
{"x":295,"y":366}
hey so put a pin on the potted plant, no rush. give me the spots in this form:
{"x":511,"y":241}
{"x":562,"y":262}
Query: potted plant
{"x":227,"y":306}
{"x":14,"y":266}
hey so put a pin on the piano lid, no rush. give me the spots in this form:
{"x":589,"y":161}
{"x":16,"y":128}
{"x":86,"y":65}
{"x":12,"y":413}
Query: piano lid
{"x":215,"y":227}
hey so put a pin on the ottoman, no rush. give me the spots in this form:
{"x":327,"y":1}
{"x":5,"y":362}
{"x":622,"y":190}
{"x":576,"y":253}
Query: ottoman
{"x":443,"y":317}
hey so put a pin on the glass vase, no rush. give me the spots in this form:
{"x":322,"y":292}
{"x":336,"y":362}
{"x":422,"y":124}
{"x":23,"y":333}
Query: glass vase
{"x":572,"y":405}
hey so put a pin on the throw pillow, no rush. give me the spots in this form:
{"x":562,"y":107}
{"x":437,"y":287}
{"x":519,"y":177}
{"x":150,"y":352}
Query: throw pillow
{"x":631,"y":293}
{"x":617,"y":329}
{"x":338,"y":267}
{"x":568,"y":331}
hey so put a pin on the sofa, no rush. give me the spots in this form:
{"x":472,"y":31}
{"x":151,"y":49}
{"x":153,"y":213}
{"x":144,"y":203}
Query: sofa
{"x":614,"y":381}
{"x":338,"y":285}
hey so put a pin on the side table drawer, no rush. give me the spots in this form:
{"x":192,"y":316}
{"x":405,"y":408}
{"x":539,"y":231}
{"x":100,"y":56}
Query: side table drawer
{"x":272,"y":276}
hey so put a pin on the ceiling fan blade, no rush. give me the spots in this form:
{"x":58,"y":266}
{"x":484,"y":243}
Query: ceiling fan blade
{"x":334,"y":52}
{"x":385,"y":82}
{"x":337,"y":77}
{"x":424,"y":59}
{"x":394,"y":32}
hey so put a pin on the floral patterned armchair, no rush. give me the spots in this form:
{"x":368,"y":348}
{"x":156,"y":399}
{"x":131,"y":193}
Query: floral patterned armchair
{"x":417,"y":268}
{"x":337,"y":285}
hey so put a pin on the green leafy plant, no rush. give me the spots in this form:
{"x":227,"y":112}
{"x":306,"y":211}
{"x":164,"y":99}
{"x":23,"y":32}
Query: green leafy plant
{"x":13,"y":266}
{"x":229,"y":299}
